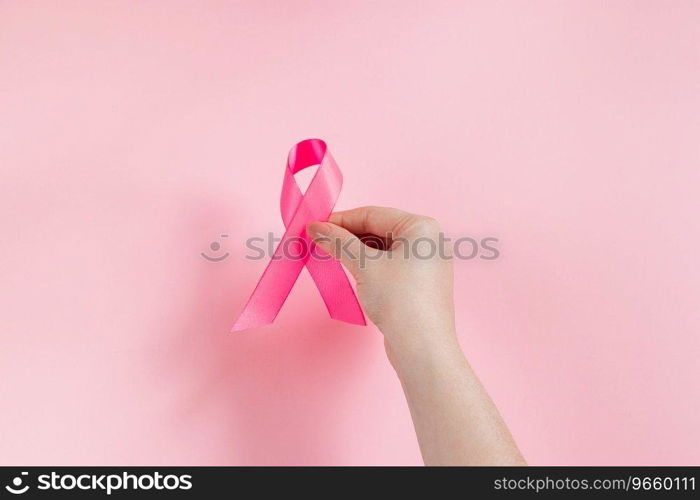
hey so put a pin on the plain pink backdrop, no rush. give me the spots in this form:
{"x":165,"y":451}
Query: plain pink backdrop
{"x":132,"y":134}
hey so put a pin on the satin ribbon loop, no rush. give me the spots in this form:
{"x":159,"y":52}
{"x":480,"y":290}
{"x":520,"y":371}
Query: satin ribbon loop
{"x":298,"y":209}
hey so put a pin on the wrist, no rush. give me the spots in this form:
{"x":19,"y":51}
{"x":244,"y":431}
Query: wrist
{"x":416,"y":353}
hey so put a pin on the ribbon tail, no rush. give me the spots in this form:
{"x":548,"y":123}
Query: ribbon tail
{"x":335,"y":288}
{"x":270,"y":293}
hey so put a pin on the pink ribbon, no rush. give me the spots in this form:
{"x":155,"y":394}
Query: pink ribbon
{"x":283,"y":270}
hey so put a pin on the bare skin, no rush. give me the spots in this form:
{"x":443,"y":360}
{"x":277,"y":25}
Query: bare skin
{"x":411,"y":302}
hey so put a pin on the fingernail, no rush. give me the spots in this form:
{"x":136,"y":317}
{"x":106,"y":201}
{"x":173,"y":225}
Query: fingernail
{"x":317,"y":230}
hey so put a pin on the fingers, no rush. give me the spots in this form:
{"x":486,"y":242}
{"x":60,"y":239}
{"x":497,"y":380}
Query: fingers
{"x":384,"y":222}
{"x":338,"y":242}
{"x":375,"y":220}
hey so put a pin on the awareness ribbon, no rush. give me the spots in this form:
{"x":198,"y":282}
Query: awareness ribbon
{"x":297,"y":211}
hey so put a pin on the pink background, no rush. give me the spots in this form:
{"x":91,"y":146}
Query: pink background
{"x":134,"y":134}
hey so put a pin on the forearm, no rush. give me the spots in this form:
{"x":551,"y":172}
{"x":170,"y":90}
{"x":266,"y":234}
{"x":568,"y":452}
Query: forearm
{"x":455,"y":420}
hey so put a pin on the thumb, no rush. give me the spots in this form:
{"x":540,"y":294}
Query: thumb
{"x":340,"y":243}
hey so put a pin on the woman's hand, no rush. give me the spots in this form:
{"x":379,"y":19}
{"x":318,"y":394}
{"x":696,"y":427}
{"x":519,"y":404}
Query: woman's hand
{"x":404,"y":278}
{"x":404,"y":282}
